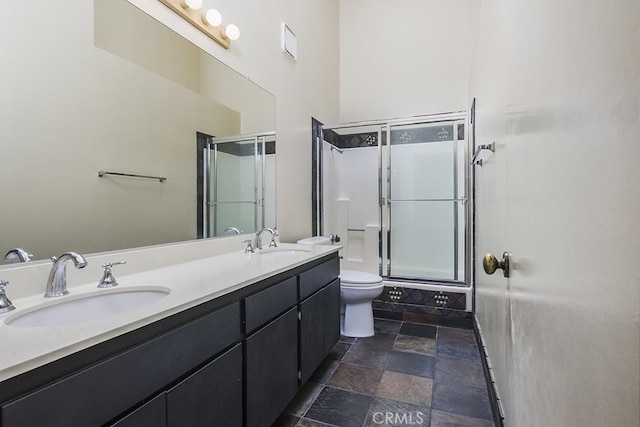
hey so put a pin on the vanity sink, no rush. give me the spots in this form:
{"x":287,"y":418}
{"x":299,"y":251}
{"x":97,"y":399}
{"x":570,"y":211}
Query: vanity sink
{"x":97,"y":305}
{"x":282,"y":252}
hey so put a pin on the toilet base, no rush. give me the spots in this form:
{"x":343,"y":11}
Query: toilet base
{"x":356,"y":320}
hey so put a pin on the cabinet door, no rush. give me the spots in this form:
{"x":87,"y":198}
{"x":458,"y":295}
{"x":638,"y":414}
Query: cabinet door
{"x":272,"y":369}
{"x":319,"y":327}
{"x":151,"y":414}
{"x":212,"y":396}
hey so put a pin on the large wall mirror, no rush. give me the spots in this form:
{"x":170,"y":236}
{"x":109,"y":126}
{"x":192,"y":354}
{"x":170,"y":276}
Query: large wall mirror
{"x":89,"y":86}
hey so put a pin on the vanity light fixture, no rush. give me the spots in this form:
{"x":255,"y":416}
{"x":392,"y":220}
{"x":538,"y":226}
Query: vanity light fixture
{"x":232,"y":31}
{"x":191,"y":4}
{"x":212,"y":17}
{"x":209,"y":21}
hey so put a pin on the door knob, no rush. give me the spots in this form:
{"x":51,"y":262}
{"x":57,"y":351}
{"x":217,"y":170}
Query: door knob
{"x":491,"y":263}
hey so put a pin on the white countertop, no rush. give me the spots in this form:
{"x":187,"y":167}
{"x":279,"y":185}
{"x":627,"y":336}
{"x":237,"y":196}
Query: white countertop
{"x":191,"y":283}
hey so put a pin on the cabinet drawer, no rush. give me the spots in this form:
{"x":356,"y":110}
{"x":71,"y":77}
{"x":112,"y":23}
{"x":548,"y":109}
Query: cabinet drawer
{"x":270,"y":303}
{"x":95,"y":395}
{"x":151,"y":414}
{"x":212,"y":396}
{"x":318,"y":277}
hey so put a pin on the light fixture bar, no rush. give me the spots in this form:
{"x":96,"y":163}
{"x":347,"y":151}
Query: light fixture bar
{"x":194,"y":17}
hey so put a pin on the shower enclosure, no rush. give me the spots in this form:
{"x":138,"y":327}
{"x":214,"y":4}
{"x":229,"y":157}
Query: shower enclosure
{"x":397,"y":192}
{"x":238,"y":184}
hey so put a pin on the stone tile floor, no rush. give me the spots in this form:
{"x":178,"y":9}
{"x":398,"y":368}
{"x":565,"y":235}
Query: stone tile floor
{"x":407,"y":374}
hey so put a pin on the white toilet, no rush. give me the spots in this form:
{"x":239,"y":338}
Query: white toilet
{"x":357,"y":291}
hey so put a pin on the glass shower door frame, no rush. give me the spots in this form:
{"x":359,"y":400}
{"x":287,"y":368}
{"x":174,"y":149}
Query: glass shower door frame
{"x":386,"y":200}
{"x":211,"y":204}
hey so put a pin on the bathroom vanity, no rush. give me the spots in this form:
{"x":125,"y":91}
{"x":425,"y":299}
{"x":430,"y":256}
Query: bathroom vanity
{"x":231,"y":354}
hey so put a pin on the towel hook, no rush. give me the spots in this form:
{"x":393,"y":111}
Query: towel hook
{"x":491,"y":147}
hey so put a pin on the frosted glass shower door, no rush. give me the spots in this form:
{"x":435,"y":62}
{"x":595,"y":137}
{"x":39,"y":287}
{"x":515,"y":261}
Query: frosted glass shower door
{"x":233,"y":187}
{"x":426,"y":202}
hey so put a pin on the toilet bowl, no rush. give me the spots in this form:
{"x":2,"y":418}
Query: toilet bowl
{"x":357,"y":291}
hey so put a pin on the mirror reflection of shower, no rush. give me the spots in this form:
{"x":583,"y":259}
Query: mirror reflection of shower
{"x":239,"y":184}
{"x":402,"y":208}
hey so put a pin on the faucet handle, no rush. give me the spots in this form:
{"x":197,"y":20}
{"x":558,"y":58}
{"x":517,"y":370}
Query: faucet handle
{"x":107,"y":280}
{"x":273,"y":243}
{"x":249,"y":247}
{"x":5,"y":304}
{"x":111,"y":264}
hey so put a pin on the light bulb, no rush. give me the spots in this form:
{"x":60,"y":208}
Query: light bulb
{"x":232,"y":31}
{"x":212,"y":17}
{"x":192,"y":4}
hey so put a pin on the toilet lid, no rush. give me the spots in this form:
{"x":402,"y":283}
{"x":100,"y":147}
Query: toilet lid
{"x":359,"y":278}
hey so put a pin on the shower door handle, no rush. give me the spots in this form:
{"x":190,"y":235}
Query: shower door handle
{"x":490,"y":263}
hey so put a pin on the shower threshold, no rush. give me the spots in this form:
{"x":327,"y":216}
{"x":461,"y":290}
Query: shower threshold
{"x":408,"y":281}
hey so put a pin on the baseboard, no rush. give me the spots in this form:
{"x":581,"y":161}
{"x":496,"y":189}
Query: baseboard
{"x":494,"y":399}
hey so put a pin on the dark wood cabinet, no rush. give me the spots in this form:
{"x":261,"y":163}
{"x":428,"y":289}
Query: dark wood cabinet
{"x":96,"y":394}
{"x":233,"y":361}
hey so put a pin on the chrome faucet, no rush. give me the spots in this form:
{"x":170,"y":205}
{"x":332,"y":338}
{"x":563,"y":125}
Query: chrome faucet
{"x":57,"y":282}
{"x":272,"y":243}
{"x":19,"y":253}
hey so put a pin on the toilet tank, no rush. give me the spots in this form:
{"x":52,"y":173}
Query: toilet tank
{"x":316,"y":240}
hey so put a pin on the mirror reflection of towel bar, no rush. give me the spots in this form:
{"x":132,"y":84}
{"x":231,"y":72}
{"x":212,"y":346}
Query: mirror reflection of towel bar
{"x":356,"y":229}
{"x":251,"y":202}
{"x":102,"y":173}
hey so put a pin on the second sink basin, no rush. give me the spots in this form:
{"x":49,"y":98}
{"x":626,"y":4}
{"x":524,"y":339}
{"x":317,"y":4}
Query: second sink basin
{"x":92,"y":306}
{"x":282,"y":252}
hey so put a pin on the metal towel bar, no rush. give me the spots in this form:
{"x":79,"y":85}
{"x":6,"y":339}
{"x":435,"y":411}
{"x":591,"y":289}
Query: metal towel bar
{"x":251,"y":202}
{"x":491,"y":147}
{"x":102,"y":173}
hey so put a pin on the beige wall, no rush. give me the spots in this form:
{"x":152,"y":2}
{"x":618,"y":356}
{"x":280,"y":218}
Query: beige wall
{"x":406,"y":58}
{"x":558,"y":89}
{"x":306,"y":88}
{"x":258,"y":109}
